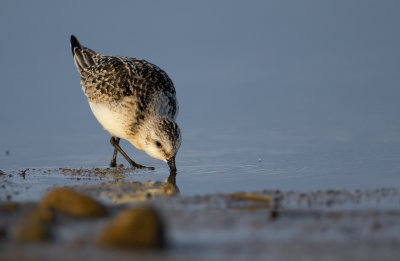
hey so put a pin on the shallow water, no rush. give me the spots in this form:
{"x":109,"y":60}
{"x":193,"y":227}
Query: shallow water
{"x":274,"y":161}
{"x":271,"y":96}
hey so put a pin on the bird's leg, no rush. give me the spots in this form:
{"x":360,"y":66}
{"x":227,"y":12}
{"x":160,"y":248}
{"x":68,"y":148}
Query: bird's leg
{"x":114,"y":158}
{"x":115,"y":142}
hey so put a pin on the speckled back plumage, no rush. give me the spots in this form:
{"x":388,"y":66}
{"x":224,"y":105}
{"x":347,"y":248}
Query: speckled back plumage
{"x":112,"y":78}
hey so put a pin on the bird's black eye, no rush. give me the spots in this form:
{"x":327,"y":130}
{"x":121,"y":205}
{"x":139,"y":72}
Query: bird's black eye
{"x":158,"y":144}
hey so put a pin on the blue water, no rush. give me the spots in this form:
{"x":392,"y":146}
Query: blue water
{"x":295,"y":95}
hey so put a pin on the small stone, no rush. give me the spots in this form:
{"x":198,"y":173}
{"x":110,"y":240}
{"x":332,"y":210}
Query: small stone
{"x":139,"y":228}
{"x":251,"y":197}
{"x":73,"y":203}
{"x":273,"y":214}
{"x":249,"y":201}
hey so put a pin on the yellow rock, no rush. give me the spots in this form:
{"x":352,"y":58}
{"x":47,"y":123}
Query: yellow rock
{"x":72,"y":203}
{"x":250,"y":196}
{"x":135,"y":228}
{"x":249,"y":201}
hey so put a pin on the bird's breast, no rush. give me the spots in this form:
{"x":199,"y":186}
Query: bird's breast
{"x":116,"y":119}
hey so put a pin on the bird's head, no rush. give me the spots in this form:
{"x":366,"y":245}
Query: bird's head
{"x":160,"y":137}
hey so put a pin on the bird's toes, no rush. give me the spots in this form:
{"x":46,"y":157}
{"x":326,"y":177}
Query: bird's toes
{"x":138,"y":166}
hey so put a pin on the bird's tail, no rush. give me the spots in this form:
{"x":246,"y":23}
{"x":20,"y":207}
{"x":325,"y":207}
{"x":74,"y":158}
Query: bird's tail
{"x":83,"y":57}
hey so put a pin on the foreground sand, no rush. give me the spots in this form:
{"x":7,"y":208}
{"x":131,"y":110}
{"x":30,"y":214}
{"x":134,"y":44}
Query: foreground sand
{"x":264,"y":225}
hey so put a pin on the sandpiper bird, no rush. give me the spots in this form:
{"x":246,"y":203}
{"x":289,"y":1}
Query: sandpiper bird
{"x":133,"y":100}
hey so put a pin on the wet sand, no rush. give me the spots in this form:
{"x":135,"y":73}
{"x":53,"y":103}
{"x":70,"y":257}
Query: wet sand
{"x":260,"y":225}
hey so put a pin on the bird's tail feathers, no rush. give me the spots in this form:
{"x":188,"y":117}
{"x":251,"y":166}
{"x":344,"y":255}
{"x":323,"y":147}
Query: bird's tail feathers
{"x":83,"y":57}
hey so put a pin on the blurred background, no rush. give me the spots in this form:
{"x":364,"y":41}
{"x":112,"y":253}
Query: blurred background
{"x":273,"y":94}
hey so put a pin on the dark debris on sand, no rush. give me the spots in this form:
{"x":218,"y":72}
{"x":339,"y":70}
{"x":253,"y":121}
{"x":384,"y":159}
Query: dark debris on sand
{"x":94,"y":220}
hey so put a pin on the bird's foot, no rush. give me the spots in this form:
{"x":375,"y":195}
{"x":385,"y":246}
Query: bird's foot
{"x":113,"y":164}
{"x":138,"y":166}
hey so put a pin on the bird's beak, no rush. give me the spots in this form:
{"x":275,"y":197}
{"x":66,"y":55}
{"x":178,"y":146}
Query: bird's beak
{"x":171,"y":164}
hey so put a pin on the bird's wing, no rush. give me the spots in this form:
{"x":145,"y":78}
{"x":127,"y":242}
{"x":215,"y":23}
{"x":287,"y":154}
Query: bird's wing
{"x":111,"y":78}
{"x":83,"y":57}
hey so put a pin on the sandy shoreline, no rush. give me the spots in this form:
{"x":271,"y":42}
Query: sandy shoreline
{"x":273,"y":225}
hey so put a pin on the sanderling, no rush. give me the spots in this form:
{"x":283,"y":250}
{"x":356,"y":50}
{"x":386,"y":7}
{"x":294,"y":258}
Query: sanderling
{"x":133,"y":100}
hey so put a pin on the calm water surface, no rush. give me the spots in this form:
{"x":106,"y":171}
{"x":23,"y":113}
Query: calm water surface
{"x":218,"y":160}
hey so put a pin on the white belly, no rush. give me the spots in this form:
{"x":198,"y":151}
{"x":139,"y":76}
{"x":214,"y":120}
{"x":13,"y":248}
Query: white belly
{"x":111,"y":119}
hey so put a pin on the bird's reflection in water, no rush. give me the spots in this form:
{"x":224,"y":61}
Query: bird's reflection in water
{"x":125,"y":191}
{"x":172,"y":180}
